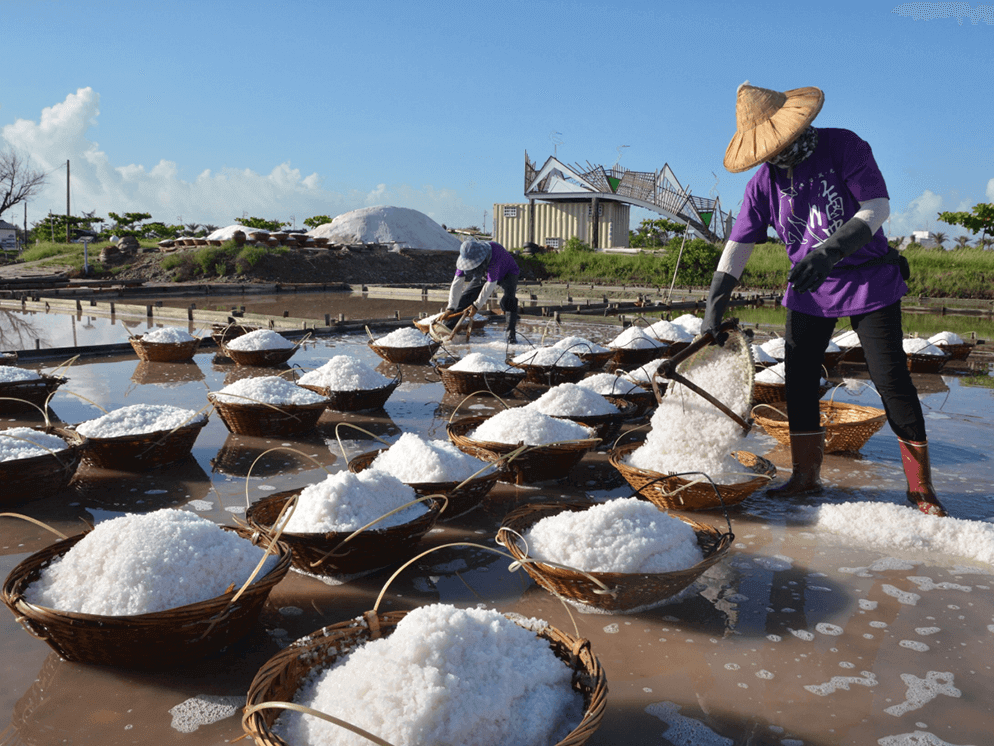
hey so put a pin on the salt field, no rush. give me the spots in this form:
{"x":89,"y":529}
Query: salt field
{"x":843,"y":618}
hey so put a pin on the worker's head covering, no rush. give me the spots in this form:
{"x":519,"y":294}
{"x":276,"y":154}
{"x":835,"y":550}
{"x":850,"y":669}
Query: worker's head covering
{"x":472,"y":254}
{"x":767,"y":122}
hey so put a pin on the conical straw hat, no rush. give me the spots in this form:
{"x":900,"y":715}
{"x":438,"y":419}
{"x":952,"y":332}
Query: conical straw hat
{"x":767,"y":122}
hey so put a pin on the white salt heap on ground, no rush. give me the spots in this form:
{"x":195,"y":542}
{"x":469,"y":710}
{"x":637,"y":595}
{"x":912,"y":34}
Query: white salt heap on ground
{"x":609,"y":384}
{"x":690,"y":434}
{"x":137,"y":564}
{"x":11,"y":373}
{"x":345,"y":373}
{"x":669,"y":332}
{"x":138,"y":419}
{"x":414,"y":460}
{"x":690,"y":322}
{"x":267,"y":390}
{"x":168,"y":335}
{"x":24,"y":442}
{"x":444,"y":676}
{"x":400,"y":226}
{"x":405,"y":337}
{"x":946,"y":338}
{"x":571,"y":400}
{"x":888,"y":526}
{"x":635,"y":338}
{"x":346,"y":501}
{"x":549,"y":356}
{"x":775,"y":347}
{"x":921,"y":347}
{"x":528,"y":426}
{"x":579,"y":346}
{"x":478,"y":362}
{"x":847,"y":339}
{"x":260,"y":339}
{"x":627,"y":535}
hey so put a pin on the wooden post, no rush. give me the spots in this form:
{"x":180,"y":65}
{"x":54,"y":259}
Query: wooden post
{"x":148,"y":311}
{"x":327,"y":319}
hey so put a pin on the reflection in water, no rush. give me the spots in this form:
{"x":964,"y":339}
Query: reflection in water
{"x":105,"y":490}
{"x":240,"y":453}
{"x":168,"y":375}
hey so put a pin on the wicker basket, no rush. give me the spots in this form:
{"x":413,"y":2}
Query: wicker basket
{"x":498,"y":383}
{"x":144,"y":450}
{"x":537,"y":464}
{"x":267,"y":420}
{"x":153,"y":641}
{"x":222,"y":333}
{"x":606,"y":426}
{"x":164,"y":352}
{"x":42,"y":476}
{"x":406,"y":355}
{"x":919,"y":363}
{"x":632,"y":357}
{"x":957,"y":351}
{"x":461,"y":500}
{"x":673,"y":493}
{"x":315,"y":553}
{"x":775,"y":393}
{"x":355,"y":401}
{"x":630,"y":591}
{"x":283,"y":674}
{"x":847,"y":426}
{"x":35,"y":391}
{"x":260,"y":358}
{"x":595,"y":360}
{"x":551,"y":375}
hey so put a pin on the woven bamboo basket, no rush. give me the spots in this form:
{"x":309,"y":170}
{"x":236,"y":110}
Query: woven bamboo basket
{"x":918,"y":363}
{"x":164,"y":352}
{"x":280,"y":678}
{"x":144,"y":450}
{"x":355,"y":401}
{"x":629,"y":591}
{"x":263,"y":420}
{"x":35,"y":391}
{"x":222,"y":333}
{"x":151,"y":641}
{"x":853,"y":355}
{"x":606,"y":426}
{"x":672,"y":348}
{"x":632,"y":357}
{"x":847,"y":426}
{"x":537,"y":464}
{"x":551,"y":375}
{"x":957,"y":351}
{"x":595,"y":360}
{"x":260,"y":358}
{"x":42,"y":476}
{"x":498,"y":383}
{"x":461,"y":500}
{"x":420,"y":355}
{"x":680,"y":493}
{"x":773,"y":393}
{"x":318,"y":553}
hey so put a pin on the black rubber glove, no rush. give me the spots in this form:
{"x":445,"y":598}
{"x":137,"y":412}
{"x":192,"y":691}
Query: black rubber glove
{"x":812,"y":270}
{"x":722,"y":285}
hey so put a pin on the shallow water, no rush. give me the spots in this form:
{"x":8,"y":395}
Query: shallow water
{"x":795,"y":637}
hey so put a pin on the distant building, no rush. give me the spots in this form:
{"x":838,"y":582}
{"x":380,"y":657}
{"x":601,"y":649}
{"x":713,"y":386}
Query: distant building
{"x":552,"y":223}
{"x":8,"y":235}
{"x":922,"y":238}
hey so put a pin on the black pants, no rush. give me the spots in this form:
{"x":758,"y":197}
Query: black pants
{"x":508,"y":299}
{"x":881,"y":336}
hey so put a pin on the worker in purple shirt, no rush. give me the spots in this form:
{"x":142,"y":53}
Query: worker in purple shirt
{"x":482,"y":266}
{"x":820,"y":189}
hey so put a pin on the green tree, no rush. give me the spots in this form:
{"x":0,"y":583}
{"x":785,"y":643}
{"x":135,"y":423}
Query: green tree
{"x":127,"y":224}
{"x":273,"y":226}
{"x":317,"y":220}
{"x":980,"y":220}
{"x":53,"y":227}
{"x":574,"y":244}
{"x":654,"y":233}
{"x":940,"y":238}
{"x":961,"y":241}
{"x":697,"y":264}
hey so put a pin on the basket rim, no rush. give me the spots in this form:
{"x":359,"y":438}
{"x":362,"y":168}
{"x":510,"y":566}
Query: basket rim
{"x":875,"y":414}
{"x":489,"y":445}
{"x":181,"y":430}
{"x":618,"y":452}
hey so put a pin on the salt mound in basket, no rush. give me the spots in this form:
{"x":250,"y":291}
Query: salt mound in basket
{"x":620,"y":387}
{"x":957,"y":347}
{"x":674,"y":335}
{"x":268,"y":405}
{"x":436,"y":674}
{"x":580,"y":404}
{"x":167,"y":345}
{"x":326,"y":514}
{"x":349,"y":384}
{"x":262,"y":348}
{"x":557,"y":445}
{"x":480,"y":373}
{"x":141,"y":436}
{"x":37,"y":463}
{"x":550,"y":366}
{"x":432,"y":467}
{"x":923,"y":356}
{"x":20,"y":388}
{"x":405,"y":346}
{"x":145,"y":591}
{"x":622,"y":556}
{"x":593,"y":354}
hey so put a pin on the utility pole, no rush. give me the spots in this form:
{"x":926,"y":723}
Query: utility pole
{"x":67,"y":200}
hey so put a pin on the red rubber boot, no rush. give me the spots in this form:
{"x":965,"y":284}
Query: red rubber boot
{"x":918,"y":472}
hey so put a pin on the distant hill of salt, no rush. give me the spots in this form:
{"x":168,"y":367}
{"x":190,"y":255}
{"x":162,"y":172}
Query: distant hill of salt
{"x":399,"y":226}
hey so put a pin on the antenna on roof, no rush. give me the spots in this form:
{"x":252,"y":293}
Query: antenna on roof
{"x":620,"y":147}
{"x":557,"y":140}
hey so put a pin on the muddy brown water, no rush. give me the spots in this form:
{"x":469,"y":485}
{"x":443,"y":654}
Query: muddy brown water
{"x":796,"y":637}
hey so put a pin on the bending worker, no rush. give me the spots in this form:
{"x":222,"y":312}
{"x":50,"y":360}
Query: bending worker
{"x":480,"y":268}
{"x":822,"y":192}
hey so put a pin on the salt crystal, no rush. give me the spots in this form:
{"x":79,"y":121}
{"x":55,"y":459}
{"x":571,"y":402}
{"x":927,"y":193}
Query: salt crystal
{"x":775,"y":348}
{"x":667,"y":331}
{"x":946,"y":338}
{"x":690,"y":322}
{"x":267,"y":390}
{"x":762,"y":356}
{"x":921,"y":347}
{"x":635,"y":338}
{"x":345,"y":373}
{"x":11,"y":373}
{"x":549,"y":356}
{"x":24,"y":442}
{"x":414,"y":460}
{"x":168,"y":335}
{"x":260,"y":339}
{"x":571,"y":400}
{"x":579,"y":345}
{"x":478,"y":362}
{"x":138,"y":419}
{"x":529,"y":426}
{"x":405,"y":337}
{"x":608,"y":384}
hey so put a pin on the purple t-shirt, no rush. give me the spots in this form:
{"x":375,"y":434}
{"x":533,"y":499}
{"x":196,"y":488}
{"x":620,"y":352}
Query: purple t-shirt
{"x":825,"y":192}
{"x":501,"y":264}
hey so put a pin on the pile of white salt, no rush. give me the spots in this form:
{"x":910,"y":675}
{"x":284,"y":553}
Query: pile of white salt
{"x":11,"y":373}
{"x":549,"y":356}
{"x":138,"y":564}
{"x":260,"y":339}
{"x":528,"y":426}
{"x":139,"y":419}
{"x":405,"y":337}
{"x":443,"y":676}
{"x":635,"y":338}
{"x":25,"y":442}
{"x":626,"y":535}
{"x":690,"y":322}
{"x":579,"y":345}
{"x":267,"y":390}
{"x":667,"y":331}
{"x":946,"y":338}
{"x":919,"y":346}
{"x":609,"y":384}
{"x":345,"y":373}
{"x":414,"y":460}
{"x":168,"y":335}
{"x":478,"y":362}
{"x":847,"y":340}
{"x":572,"y":400}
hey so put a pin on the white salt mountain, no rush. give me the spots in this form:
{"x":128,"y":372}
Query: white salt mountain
{"x":399,"y":227}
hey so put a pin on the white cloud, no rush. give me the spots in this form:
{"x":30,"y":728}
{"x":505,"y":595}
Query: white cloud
{"x":212,"y":197}
{"x":990,"y":190}
{"x":920,"y":214}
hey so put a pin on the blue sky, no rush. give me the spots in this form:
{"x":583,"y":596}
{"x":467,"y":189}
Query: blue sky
{"x":206,"y":111}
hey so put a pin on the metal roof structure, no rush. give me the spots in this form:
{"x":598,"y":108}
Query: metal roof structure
{"x":658,"y":191}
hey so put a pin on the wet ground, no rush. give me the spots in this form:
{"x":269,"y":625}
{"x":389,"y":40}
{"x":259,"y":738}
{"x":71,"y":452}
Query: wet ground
{"x":796,"y":637}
